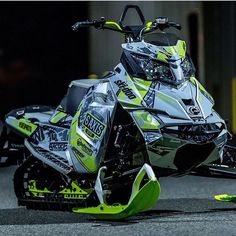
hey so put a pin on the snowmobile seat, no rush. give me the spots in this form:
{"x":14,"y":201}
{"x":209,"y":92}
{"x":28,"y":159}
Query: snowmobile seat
{"x":75,"y":93}
{"x":20,"y":112}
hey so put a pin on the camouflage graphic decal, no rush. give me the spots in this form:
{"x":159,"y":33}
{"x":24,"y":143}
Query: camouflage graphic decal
{"x":90,"y":129}
{"x":149,"y":98}
{"x":145,"y":120}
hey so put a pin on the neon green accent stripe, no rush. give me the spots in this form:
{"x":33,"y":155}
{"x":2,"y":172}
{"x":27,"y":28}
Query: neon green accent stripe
{"x":166,"y":98}
{"x":162,"y":57}
{"x":57,"y":117}
{"x":82,"y":161}
{"x":145,"y":120}
{"x":193,"y":80}
{"x":143,"y":83}
{"x":113,"y":24}
{"x":202,"y":90}
{"x":148,"y":25}
{"x":87,"y":161}
{"x":181,"y":48}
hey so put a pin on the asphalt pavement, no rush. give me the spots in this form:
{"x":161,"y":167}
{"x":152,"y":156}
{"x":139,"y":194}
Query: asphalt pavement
{"x":186,"y":207}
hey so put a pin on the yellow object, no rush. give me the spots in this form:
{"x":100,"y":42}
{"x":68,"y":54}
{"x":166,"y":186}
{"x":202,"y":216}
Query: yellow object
{"x":113,"y":25}
{"x":92,"y":76}
{"x":225,"y":198}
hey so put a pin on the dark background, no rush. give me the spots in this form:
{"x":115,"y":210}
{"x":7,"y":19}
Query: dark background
{"x":39,"y":53}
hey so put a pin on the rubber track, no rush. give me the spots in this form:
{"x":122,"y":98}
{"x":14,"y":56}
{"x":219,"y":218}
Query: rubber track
{"x":49,"y":203}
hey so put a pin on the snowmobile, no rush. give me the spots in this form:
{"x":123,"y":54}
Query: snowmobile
{"x":12,"y":149}
{"x":103,"y":149}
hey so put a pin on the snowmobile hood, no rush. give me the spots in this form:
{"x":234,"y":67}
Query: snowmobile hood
{"x":162,"y":53}
{"x":186,"y":101}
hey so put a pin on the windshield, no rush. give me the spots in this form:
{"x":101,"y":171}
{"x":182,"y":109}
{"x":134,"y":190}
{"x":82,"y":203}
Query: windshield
{"x":163,"y":56}
{"x":162,"y":39}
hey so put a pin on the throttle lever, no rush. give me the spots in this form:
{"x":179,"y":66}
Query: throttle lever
{"x":175,"y":25}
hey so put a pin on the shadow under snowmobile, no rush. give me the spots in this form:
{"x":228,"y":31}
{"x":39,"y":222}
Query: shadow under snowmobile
{"x":226,"y":169}
{"x":165,"y":209}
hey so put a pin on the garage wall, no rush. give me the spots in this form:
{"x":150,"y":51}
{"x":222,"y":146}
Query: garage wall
{"x":220,"y":54}
{"x":105,"y":49}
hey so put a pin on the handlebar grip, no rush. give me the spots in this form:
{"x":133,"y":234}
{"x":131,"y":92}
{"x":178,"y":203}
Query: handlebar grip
{"x":81,"y":24}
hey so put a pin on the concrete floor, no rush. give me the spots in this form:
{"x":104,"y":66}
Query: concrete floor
{"x":186,"y":207}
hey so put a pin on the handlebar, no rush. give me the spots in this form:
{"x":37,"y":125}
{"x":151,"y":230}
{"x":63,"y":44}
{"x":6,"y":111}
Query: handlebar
{"x":96,"y":23}
{"x":175,"y":25}
{"x":163,"y":23}
{"x":81,"y":24}
{"x":134,"y":32}
{"x":101,"y":24}
{"x":160,"y":23}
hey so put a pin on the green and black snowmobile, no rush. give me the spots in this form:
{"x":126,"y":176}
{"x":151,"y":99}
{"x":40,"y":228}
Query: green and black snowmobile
{"x":103,"y":149}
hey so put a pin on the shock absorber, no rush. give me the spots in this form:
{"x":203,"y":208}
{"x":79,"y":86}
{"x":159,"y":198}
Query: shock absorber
{"x":117,"y":142}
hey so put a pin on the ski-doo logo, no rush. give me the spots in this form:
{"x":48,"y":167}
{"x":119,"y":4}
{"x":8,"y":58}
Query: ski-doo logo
{"x":125,"y":89}
{"x":93,"y":126}
{"x":24,"y":126}
{"x":57,"y":146}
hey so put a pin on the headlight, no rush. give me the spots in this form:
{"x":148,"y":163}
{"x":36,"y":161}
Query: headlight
{"x":187,"y":67}
{"x":153,"y":69}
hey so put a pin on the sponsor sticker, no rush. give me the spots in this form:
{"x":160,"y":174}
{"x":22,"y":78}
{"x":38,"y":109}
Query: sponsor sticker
{"x":57,"y":146}
{"x":24,"y":126}
{"x":93,"y":126}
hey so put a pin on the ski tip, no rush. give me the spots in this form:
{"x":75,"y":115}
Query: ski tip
{"x":226,"y":198}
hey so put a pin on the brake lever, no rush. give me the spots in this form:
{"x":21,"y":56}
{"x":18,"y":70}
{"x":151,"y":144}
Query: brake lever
{"x":175,"y":25}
